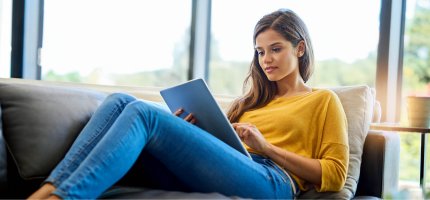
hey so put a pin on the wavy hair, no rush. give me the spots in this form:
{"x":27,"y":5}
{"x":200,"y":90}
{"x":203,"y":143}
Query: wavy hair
{"x":261,"y":90}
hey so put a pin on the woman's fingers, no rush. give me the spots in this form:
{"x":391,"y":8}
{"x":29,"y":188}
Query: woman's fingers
{"x":178,"y":112}
{"x":193,"y":121}
{"x":242,"y":129}
{"x":190,"y":118}
{"x":247,"y":132}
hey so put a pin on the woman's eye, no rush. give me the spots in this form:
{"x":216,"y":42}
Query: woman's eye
{"x":260,"y":53}
{"x":276,"y":49}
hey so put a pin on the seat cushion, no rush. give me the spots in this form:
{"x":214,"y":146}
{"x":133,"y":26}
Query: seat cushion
{"x":121,"y":192}
{"x":41,"y":122}
{"x":357,"y":102}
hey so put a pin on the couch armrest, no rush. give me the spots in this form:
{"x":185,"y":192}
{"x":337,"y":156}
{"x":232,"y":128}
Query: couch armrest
{"x":3,"y":160}
{"x":380,"y":164}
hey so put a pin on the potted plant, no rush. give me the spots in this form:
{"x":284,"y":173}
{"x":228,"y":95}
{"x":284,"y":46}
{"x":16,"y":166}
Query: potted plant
{"x":418,"y":110}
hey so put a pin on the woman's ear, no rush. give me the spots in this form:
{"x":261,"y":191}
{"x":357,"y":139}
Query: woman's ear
{"x":301,"y":48}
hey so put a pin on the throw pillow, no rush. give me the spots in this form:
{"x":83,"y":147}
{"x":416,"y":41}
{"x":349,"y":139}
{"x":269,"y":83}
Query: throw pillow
{"x":40,"y":123}
{"x":357,"y":102}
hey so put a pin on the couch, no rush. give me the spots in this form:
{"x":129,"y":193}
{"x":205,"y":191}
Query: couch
{"x":41,"y":119}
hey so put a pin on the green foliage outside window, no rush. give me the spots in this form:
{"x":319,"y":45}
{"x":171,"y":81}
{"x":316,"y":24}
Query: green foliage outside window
{"x":416,"y":80}
{"x":417,"y":48}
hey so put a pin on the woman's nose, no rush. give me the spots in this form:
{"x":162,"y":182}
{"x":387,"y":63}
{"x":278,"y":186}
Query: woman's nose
{"x":267,"y":58}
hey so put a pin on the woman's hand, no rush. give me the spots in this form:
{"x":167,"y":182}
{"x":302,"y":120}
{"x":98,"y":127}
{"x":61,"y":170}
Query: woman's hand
{"x":251,"y":136}
{"x":189,"y":118}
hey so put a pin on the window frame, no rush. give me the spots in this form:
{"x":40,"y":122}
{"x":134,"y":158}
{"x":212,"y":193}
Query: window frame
{"x":26,"y":47}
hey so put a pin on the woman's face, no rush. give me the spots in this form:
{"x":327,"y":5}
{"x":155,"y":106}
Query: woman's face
{"x":277,"y":56}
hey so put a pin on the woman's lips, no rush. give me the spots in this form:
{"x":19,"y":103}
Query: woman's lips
{"x":269,"y":69}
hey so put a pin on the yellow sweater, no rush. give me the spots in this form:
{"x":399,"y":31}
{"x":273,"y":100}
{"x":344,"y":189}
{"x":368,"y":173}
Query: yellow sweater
{"x":312,"y":125}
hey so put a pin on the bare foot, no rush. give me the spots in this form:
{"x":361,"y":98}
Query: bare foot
{"x":44,"y":192}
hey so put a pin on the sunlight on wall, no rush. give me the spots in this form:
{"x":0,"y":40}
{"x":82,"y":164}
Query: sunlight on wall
{"x":5,"y":37}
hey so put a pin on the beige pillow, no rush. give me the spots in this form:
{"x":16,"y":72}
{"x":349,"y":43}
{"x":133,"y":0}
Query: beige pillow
{"x":357,"y":101}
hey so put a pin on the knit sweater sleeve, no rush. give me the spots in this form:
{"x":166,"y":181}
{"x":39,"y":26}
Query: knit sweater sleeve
{"x":334,"y":152}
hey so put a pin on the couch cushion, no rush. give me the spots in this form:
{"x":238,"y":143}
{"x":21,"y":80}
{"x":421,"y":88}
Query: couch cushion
{"x":357,"y":101}
{"x":121,"y":192}
{"x":41,"y":122}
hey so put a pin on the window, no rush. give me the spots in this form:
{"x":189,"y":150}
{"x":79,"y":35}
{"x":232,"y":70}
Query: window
{"x":5,"y":37}
{"x":416,"y":81}
{"x":345,"y":40}
{"x":116,"y":42}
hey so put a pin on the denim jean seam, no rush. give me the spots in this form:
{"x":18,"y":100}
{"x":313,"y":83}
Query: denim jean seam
{"x":293,"y":186}
{"x":91,"y":140}
{"x":291,"y":180}
{"x":274,"y":167}
{"x":65,"y":189}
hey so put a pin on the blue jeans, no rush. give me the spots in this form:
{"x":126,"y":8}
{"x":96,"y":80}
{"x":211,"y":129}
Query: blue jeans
{"x":123,"y":130}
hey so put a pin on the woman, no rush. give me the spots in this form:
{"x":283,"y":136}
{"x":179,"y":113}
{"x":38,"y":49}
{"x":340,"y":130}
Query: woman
{"x":297,"y":135}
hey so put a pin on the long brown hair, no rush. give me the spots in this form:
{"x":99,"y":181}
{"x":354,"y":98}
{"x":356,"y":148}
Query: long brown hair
{"x":261,"y":91}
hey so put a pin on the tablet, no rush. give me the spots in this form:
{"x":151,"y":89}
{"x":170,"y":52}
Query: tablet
{"x":195,"y":97}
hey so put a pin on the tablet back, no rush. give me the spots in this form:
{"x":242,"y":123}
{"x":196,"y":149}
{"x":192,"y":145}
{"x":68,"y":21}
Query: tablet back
{"x":195,"y":97}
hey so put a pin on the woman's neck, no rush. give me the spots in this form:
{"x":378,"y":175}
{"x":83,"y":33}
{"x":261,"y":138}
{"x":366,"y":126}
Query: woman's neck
{"x":292,"y":87}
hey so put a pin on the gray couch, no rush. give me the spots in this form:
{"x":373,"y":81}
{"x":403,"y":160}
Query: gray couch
{"x":40,"y":119}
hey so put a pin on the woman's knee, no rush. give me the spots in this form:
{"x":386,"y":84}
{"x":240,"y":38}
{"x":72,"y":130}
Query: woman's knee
{"x":121,"y":98}
{"x":137,"y":106}
{"x":142,"y":107}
